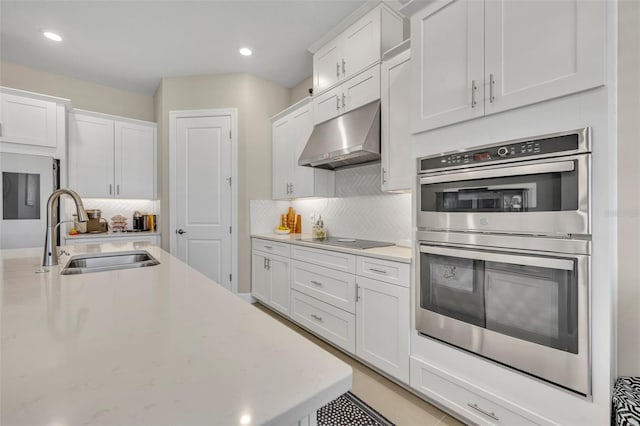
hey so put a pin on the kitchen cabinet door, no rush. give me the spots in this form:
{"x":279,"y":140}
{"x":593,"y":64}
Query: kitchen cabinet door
{"x":447,"y":54}
{"x":538,"y":50}
{"x":135,"y":160}
{"x":382,"y":326}
{"x":260,"y":277}
{"x":91,"y":156}
{"x":290,"y":134}
{"x":303,"y":179}
{"x":361,"y":89}
{"x":395,"y":143}
{"x":361,"y":44}
{"x":280,"y":271}
{"x":281,"y":158}
{"x":326,"y":66}
{"x":28,"y":121}
{"x":327,"y":105}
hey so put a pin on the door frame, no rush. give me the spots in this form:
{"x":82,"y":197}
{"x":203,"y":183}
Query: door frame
{"x":218,"y":112}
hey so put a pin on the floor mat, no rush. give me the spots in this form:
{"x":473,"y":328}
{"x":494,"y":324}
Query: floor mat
{"x":349,"y":410}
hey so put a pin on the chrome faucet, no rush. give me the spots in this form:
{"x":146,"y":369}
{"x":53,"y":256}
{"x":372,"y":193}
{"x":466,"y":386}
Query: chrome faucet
{"x":50,"y":256}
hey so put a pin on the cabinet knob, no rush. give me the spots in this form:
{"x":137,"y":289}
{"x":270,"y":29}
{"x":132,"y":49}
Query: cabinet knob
{"x":181,"y":231}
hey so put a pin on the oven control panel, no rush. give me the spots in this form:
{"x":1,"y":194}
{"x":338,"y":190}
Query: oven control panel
{"x":507,"y":151}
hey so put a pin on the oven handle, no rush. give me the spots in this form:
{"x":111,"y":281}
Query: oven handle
{"x":542,"y":262}
{"x":559,"y":166}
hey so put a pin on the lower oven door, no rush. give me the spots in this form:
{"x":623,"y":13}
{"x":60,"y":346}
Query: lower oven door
{"x":527,"y":310}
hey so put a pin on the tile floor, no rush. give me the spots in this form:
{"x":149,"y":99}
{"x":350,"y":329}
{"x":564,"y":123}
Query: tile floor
{"x":395,"y":403}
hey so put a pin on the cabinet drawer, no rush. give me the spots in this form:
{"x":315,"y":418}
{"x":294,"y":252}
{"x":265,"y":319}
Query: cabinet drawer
{"x":327,"y":258}
{"x":335,"y":325}
{"x":384,"y":270}
{"x":333,"y":287}
{"x":459,"y":397}
{"x":280,"y":249}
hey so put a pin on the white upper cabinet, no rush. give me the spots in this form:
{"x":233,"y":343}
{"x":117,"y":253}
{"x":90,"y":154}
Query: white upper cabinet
{"x":135,"y":160}
{"x":358,"y":47}
{"x":349,"y":95}
{"x":537,"y":50}
{"x":472,"y":58}
{"x":398,"y":166}
{"x":448,"y":50}
{"x":31,"y":123}
{"x":111,"y":157}
{"x":91,"y":156}
{"x":290,"y":132}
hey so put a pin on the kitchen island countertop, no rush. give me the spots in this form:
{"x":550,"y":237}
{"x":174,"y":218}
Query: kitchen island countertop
{"x":161,"y":345}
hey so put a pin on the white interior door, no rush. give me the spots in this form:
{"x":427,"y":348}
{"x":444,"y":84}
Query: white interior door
{"x":203,"y":195}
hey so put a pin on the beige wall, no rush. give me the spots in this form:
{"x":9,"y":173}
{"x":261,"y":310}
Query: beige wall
{"x":628,"y":188}
{"x":301,"y":90}
{"x":256,"y":100}
{"x":83,"y":94}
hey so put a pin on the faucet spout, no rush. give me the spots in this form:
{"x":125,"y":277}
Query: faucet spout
{"x":50,"y":255}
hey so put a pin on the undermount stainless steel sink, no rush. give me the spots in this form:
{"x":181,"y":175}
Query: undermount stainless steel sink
{"x":100,"y":262}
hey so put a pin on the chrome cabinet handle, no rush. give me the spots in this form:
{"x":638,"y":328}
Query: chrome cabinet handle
{"x":344,"y":67}
{"x":110,"y":189}
{"x":291,"y":188}
{"x":268,"y":247}
{"x":318,"y":283}
{"x":287,"y":189}
{"x":264,"y":263}
{"x":492,"y":82}
{"x":384,"y":174}
{"x":337,"y":69}
{"x":337,"y":103}
{"x":180,"y":231}
{"x":118,"y":189}
{"x":314,"y":316}
{"x":380,"y":271}
{"x":357,"y":292}
{"x":343,"y":100}
{"x":474,"y":87}
{"x":268,"y":263}
{"x":486,"y":413}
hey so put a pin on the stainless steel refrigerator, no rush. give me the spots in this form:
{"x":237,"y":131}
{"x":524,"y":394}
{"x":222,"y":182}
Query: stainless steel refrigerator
{"x":27,"y":183}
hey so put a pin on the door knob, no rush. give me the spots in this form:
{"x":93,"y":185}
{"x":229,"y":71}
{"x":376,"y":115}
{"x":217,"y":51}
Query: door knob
{"x":181,"y":231}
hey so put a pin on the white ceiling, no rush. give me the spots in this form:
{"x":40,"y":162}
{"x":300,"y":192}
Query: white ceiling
{"x":133,"y":44}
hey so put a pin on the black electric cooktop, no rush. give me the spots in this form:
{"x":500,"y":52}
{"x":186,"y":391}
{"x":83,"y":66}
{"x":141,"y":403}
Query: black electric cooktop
{"x":348,"y":242}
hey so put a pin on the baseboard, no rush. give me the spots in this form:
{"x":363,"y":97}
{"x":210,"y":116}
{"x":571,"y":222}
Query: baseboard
{"x":247,"y":297}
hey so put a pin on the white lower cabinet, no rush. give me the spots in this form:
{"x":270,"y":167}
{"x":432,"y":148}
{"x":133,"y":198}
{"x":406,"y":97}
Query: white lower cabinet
{"x":330,"y":286}
{"x":465,"y":399}
{"x":334,"y":295}
{"x":382,"y":326}
{"x":335,"y":325}
{"x":270,"y":274}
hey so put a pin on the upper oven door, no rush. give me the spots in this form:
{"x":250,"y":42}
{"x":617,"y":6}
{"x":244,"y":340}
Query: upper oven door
{"x":542,"y":197}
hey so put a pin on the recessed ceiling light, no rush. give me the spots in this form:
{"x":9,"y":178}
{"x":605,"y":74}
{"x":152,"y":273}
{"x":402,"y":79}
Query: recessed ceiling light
{"x":51,"y":36}
{"x":245,"y":51}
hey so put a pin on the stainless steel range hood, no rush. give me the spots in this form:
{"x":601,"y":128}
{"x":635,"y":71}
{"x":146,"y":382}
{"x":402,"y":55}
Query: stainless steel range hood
{"x":349,"y":139}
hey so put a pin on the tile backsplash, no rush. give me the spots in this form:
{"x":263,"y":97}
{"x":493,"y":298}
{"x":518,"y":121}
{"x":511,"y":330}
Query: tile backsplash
{"x":112,"y":207}
{"x":359,"y":210}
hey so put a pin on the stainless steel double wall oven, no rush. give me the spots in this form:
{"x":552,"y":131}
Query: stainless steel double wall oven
{"x":504,"y":242}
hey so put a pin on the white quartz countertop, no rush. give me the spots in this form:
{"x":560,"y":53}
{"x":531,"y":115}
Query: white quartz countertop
{"x":161,"y":345}
{"x":395,"y":253}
